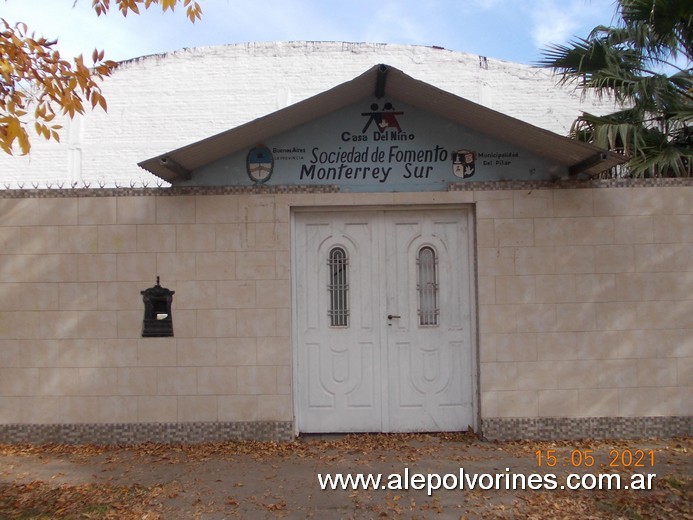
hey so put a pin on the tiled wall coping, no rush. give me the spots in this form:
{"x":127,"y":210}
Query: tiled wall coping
{"x":668,"y":182}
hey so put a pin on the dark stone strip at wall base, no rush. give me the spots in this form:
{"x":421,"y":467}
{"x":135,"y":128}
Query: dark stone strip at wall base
{"x":501,"y":429}
{"x":565,"y":428}
{"x":138,"y":433}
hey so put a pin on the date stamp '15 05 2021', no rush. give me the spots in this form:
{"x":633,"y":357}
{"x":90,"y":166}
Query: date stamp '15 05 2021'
{"x":587,"y":458}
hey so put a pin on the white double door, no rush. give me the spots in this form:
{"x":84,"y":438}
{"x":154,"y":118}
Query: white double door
{"x":383,"y":339}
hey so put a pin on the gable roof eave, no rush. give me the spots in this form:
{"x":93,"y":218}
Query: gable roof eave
{"x":210,"y":149}
{"x":578,"y":156}
{"x":379,"y":81}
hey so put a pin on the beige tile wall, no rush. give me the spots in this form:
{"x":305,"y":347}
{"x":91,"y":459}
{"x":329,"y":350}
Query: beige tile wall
{"x":585,"y":304}
{"x":71,"y":272}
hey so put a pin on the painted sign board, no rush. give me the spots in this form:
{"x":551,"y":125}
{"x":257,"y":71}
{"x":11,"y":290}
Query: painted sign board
{"x":377,"y":145}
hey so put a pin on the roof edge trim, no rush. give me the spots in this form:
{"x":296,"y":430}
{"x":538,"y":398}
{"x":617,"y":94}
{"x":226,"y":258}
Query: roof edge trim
{"x":175,"y":167}
{"x":380,"y":80}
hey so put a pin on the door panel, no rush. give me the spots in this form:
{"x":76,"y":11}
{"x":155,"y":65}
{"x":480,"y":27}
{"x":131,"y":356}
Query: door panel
{"x":339,"y":366}
{"x":427,"y":381}
{"x":385,"y":371}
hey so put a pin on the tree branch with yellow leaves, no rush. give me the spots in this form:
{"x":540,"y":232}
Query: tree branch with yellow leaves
{"x":36,"y":82}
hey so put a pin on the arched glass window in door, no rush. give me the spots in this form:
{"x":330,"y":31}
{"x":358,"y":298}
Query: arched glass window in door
{"x":427,"y":286}
{"x":338,"y":287}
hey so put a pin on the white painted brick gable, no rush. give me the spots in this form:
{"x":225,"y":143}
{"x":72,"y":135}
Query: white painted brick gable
{"x":161,"y":102}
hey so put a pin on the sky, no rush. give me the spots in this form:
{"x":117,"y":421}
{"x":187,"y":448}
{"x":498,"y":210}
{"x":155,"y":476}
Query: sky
{"x":510,"y":30}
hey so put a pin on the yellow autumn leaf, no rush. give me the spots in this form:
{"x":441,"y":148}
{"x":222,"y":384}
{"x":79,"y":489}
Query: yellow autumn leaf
{"x":23,"y":140}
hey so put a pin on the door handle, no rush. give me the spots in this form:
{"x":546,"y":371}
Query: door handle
{"x":392,"y":316}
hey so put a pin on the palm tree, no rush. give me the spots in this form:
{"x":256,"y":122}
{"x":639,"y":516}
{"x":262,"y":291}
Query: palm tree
{"x":638,"y":63}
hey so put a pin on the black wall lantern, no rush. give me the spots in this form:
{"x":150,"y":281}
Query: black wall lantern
{"x":158,"y":321}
